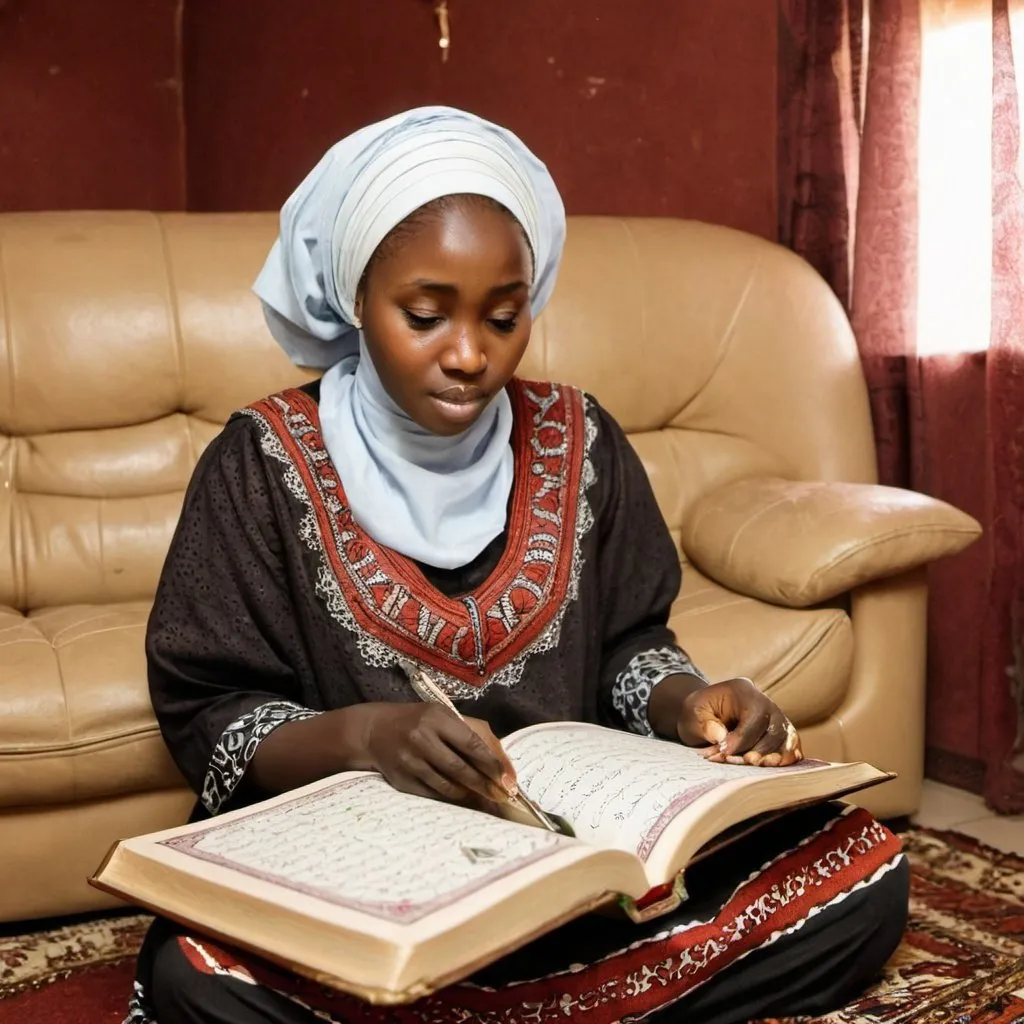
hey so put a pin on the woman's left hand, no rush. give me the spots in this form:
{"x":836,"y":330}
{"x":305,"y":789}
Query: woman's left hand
{"x":734,"y":722}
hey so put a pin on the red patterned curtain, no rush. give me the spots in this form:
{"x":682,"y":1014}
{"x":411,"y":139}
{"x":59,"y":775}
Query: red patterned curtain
{"x":900,"y":180}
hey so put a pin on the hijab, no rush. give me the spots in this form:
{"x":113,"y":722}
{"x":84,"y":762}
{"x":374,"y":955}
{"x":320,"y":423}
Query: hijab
{"x":437,"y":500}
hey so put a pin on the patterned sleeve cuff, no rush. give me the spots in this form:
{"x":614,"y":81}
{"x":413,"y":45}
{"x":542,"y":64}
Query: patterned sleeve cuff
{"x":237,"y":745}
{"x":632,"y":688}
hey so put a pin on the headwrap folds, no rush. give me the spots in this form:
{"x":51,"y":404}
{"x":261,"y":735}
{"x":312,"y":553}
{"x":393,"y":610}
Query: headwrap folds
{"x":438,"y":500}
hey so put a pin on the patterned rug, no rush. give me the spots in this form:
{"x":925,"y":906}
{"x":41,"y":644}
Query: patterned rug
{"x":962,"y":961}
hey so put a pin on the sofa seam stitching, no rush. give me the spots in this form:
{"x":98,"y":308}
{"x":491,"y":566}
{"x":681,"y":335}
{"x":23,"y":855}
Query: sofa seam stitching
{"x":894,"y":534}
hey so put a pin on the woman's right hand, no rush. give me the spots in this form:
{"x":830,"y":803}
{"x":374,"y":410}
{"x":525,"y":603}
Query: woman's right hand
{"x":425,"y":750}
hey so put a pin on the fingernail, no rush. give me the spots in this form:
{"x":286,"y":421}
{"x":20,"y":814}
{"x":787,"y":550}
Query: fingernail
{"x":716,"y":732}
{"x":509,"y":784}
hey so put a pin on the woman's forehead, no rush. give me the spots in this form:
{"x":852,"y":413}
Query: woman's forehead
{"x":455,"y":238}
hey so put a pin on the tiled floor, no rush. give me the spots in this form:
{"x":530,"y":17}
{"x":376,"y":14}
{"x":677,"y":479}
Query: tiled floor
{"x":947,"y":808}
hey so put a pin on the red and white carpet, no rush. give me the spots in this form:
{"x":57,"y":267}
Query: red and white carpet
{"x":962,"y":961}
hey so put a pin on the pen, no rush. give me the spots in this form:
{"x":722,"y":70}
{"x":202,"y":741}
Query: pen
{"x":427,"y":690}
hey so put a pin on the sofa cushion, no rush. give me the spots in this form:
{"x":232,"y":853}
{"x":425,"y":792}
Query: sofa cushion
{"x":801,"y":657}
{"x":77,"y":722}
{"x":798,"y":543}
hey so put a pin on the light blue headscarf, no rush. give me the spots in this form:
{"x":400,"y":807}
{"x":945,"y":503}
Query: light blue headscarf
{"x":438,"y":500}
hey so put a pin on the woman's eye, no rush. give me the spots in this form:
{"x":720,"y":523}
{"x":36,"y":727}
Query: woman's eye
{"x":420,"y":323}
{"x":505,"y":325}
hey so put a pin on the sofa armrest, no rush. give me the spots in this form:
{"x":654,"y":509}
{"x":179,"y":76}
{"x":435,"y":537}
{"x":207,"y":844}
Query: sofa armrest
{"x":796,"y":544}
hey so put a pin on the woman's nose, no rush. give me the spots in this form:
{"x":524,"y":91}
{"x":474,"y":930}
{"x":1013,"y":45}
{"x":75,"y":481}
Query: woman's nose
{"x":465,"y":355}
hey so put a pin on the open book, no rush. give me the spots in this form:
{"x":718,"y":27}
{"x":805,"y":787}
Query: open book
{"x":390,"y":896}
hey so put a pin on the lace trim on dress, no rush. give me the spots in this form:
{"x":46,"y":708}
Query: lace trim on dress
{"x":631,"y":691}
{"x":289,"y":436}
{"x":237,"y":745}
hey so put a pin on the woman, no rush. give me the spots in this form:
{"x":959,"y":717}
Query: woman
{"x":421,"y":503}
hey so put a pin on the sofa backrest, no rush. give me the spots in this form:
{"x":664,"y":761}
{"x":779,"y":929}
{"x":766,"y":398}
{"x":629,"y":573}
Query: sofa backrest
{"x":126,"y":340}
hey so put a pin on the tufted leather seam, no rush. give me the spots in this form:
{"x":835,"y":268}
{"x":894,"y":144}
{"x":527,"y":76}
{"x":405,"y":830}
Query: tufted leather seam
{"x":107,"y":741}
{"x":191,"y":438}
{"x":54,"y":641}
{"x":634,"y":248}
{"x":23,"y":624}
{"x":894,"y":534}
{"x":172,"y":301}
{"x":163,"y":417}
{"x":174,"y":492}
{"x":8,"y":468}
{"x":798,"y":658}
{"x":725,"y":343}
{"x":752,"y":519}
{"x":95,"y":632}
{"x":676,"y":459}
{"x":99,"y":616}
{"x":97,"y":609}
{"x":64,"y":703}
{"x":5,"y":298}
{"x":99,"y":543}
{"x":707,"y":609}
{"x":17,"y":572}
{"x":26,"y":640}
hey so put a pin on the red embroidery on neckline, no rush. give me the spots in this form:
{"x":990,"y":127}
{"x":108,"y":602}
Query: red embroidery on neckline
{"x":390,"y":598}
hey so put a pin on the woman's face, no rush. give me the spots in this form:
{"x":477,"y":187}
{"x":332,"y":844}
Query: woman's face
{"x":446,"y":312}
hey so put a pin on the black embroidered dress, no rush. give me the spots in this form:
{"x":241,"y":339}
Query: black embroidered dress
{"x":275,"y":604}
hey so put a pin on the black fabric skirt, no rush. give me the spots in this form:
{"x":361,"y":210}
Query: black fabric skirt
{"x":795,"y":919}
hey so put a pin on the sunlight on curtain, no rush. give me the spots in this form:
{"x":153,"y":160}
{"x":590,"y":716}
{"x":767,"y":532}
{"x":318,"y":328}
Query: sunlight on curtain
{"x":955,"y":177}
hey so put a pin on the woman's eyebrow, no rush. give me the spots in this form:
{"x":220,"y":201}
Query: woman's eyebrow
{"x":450,"y":289}
{"x":505,"y":289}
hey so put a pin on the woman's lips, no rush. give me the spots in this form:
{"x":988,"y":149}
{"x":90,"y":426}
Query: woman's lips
{"x":459,"y":404}
{"x":467,"y":395}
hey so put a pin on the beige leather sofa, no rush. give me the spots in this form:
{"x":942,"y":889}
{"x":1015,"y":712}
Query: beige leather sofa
{"x":126,"y":339}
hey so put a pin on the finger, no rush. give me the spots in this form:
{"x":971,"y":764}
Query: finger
{"x":460,"y":737}
{"x":413,"y":775}
{"x":790,"y":747}
{"x":773,"y":740}
{"x":714,"y":730}
{"x":771,"y":760}
{"x":451,"y":762}
{"x":755,"y":718}
{"x":483,"y":730}
{"x":711,"y":711}
{"x":714,"y":755}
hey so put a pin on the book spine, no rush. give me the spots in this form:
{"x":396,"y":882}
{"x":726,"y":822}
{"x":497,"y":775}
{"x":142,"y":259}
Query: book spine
{"x":663,"y":899}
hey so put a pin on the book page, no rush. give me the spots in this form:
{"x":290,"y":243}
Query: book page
{"x":362,"y":845}
{"x":617,"y":789}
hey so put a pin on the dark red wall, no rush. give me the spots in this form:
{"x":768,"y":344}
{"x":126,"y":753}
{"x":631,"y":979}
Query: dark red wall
{"x":659,"y":107}
{"x":90,"y":104}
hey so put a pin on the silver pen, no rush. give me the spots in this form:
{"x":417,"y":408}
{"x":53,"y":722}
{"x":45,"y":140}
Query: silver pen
{"x":428,"y":690}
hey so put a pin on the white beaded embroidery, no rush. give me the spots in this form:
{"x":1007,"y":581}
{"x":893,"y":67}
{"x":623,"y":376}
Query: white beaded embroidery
{"x":237,"y":745}
{"x":631,"y":691}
